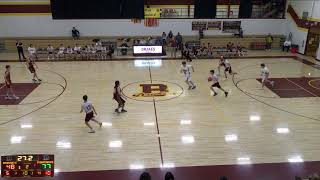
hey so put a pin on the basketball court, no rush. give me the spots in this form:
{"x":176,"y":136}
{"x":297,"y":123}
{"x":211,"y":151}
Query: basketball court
{"x":170,"y":126}
{"x":160,"y":119}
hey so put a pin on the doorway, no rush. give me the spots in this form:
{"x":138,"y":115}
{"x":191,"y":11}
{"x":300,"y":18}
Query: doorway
{"x":313,"y":41}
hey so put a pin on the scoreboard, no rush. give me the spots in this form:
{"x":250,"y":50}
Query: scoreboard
{"x":31,"y":165}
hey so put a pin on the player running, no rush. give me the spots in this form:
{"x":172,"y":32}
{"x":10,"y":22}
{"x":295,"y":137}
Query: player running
{"x":215,"y":83}
{"x":31,"y":66}
{"x":186,"y":70}
{"x":8,"y":84}
{"x":228,"y":68}
{"x":221,"y":63}
{"x":265,"y":73}
{"x":90,"y":111}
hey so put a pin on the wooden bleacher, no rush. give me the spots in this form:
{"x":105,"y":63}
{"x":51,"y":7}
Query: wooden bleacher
{"x":245,"y":42}
{"x":217,"y":41}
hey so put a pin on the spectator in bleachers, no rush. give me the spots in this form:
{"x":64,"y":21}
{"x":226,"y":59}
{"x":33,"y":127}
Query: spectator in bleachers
{"x":169,"y":176}
{"x":75,"y":33}
{"x":174,"y":48}
{"x":269,"y":41}
{"x":240,"y":50}
{"x":145,"y":176}
{"x":223,"y":178}
{"x":50,"y":51}
{"x":194,"y":51}
{"x":20,"y":50}
{"x":286,"y":46}
{"x":69,"y":52}
{"x":229,"y":47}
{"x":164,"y":38}
{"x":170,"y":35}
{"x":241,"y":32}
{"x":61,"y":51}
{"x":77,"y":50}
{"x":210,"y":49}
{"x":179,"y":40}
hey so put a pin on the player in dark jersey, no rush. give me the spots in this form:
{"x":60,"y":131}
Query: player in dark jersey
{"x":31,"y":66}
{"x":118,"y":96}
{"x":8,"y":84}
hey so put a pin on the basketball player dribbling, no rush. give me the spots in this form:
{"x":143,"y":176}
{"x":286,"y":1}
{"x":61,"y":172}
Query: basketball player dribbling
{"x":265,"y":76}
{"x":31,"y":66}
{"x":8,"y":84}
{"x":90,"y":111}
{"x":186,"y":70}
{"x":215,"y":83}
{"x":118,"y":96}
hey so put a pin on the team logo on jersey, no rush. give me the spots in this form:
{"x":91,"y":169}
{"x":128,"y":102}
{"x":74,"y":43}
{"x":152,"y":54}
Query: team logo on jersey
{"x":152,"y":90}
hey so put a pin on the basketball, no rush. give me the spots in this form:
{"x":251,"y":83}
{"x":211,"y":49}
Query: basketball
{"x":209,"y":79}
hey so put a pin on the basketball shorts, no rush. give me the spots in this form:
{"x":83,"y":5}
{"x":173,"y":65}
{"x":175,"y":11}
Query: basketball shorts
{"x":187,"y":78}
{"x":217,"y":85}
{"x":89,"y":116}
{"x":8,"y":85}
{"x":31,"y":69}
{"x":228,"y":69}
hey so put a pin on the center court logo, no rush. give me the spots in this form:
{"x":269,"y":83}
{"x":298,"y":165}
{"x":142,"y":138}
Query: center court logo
{"x":152,"y":91}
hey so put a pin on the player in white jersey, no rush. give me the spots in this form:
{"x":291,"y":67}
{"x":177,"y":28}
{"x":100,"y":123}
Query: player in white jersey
{"x":32,"y":51}
{"x":228,"y":68}
{"x":90,"y":111}
{"x":215,"y":83}
{"x":61,"y":51}
{"x":265,"y":73}
{"x":50,"y":51}
{"x":186,"y":70}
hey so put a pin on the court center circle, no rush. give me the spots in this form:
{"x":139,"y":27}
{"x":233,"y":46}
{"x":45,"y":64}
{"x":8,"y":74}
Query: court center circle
{"x":315,"y":83}
{"x":149,"y":91}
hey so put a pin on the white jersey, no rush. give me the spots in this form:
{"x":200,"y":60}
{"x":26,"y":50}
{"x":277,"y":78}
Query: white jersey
{"x":87,"y":107}
{"x":32,"y":50}
{"x":69,"y":50}
{"x":61,"y":49}
{"x":215,"y":79}
{"x":227,"y":63}
{"x":77,"y":48}
{"x":265,"y":72}
{"x":50,"y":49}
{"x":186,"y":70}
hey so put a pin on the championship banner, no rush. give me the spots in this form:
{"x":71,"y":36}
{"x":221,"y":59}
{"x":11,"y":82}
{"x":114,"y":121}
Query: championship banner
{"x":152,"y":13}
{"x":214,"y":25}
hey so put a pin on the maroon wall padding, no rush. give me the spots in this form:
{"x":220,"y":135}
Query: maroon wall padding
{"x":25,"y":8}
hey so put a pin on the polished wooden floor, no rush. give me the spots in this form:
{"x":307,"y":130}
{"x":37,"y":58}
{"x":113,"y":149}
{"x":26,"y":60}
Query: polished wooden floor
{"x":192,"y":127}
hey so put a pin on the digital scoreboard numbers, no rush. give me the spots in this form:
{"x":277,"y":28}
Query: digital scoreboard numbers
{"x":32,"y":165}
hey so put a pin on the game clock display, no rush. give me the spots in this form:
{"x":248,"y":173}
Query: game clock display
{"x":35,"y":165}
